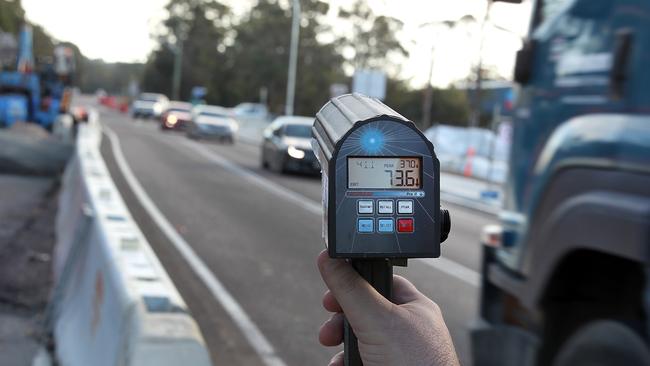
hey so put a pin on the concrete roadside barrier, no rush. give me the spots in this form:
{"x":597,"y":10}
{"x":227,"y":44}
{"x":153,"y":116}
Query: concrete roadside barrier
{"x":62,"y":128}
{"x":113,"y":303}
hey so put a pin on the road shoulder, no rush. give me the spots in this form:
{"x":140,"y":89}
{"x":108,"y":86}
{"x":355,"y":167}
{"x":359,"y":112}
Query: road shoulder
{"x":223,"y":339}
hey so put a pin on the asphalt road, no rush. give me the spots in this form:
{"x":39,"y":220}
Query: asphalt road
{"x":262,"y":245}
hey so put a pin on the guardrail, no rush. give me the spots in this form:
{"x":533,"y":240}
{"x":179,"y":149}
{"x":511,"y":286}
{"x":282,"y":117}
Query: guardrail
{"x":113,"y":303}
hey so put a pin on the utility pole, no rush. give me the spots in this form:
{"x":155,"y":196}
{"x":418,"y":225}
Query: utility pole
{"x":181,"y":35}
{"x":475,"y":119}
{"x":178,"y":68}
{"x":293,"y":58}
{"x":428,"y":93}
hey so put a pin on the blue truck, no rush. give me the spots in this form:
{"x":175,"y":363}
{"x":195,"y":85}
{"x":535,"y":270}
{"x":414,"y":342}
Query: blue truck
{"x":566,"y":274}
{"x":38,"y":96}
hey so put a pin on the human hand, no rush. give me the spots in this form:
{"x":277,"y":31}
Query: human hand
{"x":410,"y":331}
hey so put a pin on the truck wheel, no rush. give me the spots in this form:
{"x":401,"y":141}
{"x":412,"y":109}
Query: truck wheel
{"x":604,"y":343}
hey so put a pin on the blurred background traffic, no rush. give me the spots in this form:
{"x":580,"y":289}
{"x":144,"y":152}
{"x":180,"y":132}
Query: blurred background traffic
{"x":188,"y":123}
{"x":232,"y":53}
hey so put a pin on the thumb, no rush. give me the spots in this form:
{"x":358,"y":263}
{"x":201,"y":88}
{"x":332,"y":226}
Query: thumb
{"x":360,"y":302}
{"x":405,"y":292}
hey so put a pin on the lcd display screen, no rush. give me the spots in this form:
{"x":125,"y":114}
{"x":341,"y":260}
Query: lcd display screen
{"x":384,"y":173}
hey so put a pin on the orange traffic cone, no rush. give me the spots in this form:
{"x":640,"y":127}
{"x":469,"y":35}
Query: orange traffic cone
{"x":469,"y":156}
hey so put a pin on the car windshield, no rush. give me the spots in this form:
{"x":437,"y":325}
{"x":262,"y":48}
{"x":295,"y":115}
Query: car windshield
{"x":298,"y":131}
{"x":181,"y":110}
{"x":250,"y":108}
{"x":149,"y":97}
{"x":213,"y":114}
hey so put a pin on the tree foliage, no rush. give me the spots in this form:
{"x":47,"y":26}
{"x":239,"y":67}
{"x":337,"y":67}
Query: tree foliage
{"x":198,"y":25}
{"x":373,"y":39}
{"x":12,"y":16}
{"x":261,"y":53}
{"x":235,"y":63}
{"x":111,"y":77}
{"x":236,"y":57}
{"x":449,"y":106}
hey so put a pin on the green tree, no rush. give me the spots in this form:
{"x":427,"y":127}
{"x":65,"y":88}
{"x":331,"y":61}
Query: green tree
{"x":261,"y":51}
{"x":450,"y":106}
{"x":199,"y":24}
{"x":157,"y":74}
{"x":43,"y":43}
{"x":112,"y":77}
{"x":373,"y":38}
{"x":12,"y":16}
{"x":235,"y":60}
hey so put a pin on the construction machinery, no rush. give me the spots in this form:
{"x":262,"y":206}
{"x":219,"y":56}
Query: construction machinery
{"x":29,"y":92}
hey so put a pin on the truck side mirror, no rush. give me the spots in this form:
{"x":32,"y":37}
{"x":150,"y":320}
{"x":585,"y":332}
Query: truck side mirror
{"x":524,"y":62}
{"x":618,"y":74}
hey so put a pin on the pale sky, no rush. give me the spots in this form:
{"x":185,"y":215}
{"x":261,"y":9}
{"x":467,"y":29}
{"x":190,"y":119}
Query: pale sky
{"x":119,"y":30}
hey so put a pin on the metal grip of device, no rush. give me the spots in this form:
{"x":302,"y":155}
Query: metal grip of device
{"x":379,"y":274}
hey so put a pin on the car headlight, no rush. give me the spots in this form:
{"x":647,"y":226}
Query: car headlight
{"x":171,"y":120}
{"x":295,"y":153}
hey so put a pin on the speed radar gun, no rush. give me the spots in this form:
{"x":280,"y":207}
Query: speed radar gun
{"x":381,"y":192}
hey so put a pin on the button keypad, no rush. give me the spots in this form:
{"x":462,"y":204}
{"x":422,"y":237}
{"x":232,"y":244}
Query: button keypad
{"x":405,"y":207}
{"x":365,"y":225}
{"x":385,"y":222}
{"x":385,"y":207}
{"x":365,"y":207}
{"x":385,"y":225}
{"x":405,"y":225}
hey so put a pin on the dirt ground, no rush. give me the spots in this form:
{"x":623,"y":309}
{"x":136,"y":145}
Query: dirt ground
{"x":27,"y":220}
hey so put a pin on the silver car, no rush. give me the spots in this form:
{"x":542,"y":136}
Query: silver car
{"x":212,"y":122}
{"x":250,"y":112}
{"x":149,"y":105}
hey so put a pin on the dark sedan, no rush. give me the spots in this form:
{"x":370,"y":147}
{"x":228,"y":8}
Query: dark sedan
{"x":287,"y":146}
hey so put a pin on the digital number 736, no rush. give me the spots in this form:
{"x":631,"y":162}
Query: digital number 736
{"x":406,"y":175}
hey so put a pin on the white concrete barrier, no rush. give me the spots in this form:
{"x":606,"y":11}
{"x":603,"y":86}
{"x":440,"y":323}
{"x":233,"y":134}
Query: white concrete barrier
{"x":113,"y":302}
{"x":62,"y":128}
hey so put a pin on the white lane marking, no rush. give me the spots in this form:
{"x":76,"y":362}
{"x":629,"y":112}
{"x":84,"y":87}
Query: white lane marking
{"x":453,"y":269}
{"x":252,"y":333}
{"x":445,"y":265}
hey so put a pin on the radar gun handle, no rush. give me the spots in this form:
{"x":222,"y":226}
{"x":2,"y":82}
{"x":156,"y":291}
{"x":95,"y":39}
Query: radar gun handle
{"x":379,"y":274}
